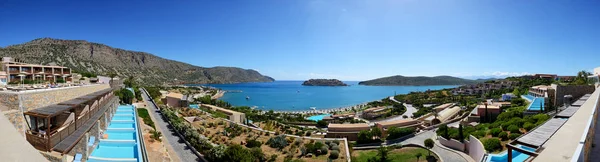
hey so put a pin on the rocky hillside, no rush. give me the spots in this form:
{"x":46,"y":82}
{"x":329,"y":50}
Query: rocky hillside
{"x":324,"y":82}
{"x":101,"y":59}
{"x":420,"y":80}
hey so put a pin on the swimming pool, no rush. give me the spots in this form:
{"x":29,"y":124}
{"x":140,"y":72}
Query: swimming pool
{"x":194,"y":106}
{"x":318,"y":117}
{"x":529,"y":97}
{"x":517,"y":156}
{"x":122,"y":143}
{"x":537,"y":104}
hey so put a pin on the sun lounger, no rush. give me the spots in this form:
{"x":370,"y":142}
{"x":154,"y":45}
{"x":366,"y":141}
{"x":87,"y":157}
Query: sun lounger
{"x":91,"y":141}
{"x":78,"y":158}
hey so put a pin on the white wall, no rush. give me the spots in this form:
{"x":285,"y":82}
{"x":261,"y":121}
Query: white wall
{"x":475,"y":148}
{"x":452,"y":143}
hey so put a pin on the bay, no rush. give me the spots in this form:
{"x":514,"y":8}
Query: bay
{"x":293,"y":96}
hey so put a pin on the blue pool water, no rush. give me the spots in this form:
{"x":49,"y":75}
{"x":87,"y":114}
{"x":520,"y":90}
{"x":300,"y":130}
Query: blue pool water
{"x":537,"y":104}
{"x":122,"y":143}
{"x":194,"y":106}
{"x":529,"y":97}
{"x":517,"y":156}
{"x":318,"y":117}
{"x":291,"y":95}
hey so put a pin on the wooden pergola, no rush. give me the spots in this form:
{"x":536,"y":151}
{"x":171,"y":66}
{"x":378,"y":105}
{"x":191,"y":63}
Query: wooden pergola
{"x":48,"y":127}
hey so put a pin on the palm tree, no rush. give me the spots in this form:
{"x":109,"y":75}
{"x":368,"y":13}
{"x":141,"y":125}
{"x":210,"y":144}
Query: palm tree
{"x":112,"y":76}
{"x":154,"y":134}
{"x":418,"y":155}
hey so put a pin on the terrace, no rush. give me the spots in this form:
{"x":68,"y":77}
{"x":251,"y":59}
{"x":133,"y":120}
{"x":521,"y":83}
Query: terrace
{"x":59,"y":127}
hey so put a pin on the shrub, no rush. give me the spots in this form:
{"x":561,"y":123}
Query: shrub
{"x":482,"y":126}
{"x":492,"y":144}
{"x":479,"y":133}
{"x":278,"y":142}
{"x":513,"y":136}
{"x":328,"y":142}
{"x":298,"y":141}
{"x":334,"y":154}
{"x":253,"y":143}
{"x":528,"y":126}
{"x":336,"y":142}
{"x":332,"y":145}
{"x":505,"y":125}
{"x":495,"y":132}
{"x":322,"y":124}
{"x":336,"y":147}
{"x":324,"y":149}
{"x":396,"y":132}
{"x":503,"y":136}
{"x":494,"y":125}
{"x":514,"y":129}
{"x":307,"y":134}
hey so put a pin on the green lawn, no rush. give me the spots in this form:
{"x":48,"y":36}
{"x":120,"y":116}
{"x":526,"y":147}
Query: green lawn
{"x":143,"y":113}
{"x":406,"y":154}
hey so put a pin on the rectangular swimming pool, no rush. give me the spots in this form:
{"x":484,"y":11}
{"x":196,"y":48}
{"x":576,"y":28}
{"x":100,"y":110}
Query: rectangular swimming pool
{"x":109,"y":149}
{"x":122,"y":143}
{"x":517,"y":156}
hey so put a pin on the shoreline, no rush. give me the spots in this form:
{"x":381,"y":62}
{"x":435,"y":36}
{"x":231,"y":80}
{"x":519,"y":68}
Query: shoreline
{"x":218,"y":95}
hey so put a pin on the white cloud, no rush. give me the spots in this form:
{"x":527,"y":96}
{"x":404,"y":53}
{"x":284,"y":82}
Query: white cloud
{"x":500,"y":73}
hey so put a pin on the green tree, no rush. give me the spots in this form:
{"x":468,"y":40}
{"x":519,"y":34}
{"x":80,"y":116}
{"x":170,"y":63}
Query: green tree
{"x":429,"y":144}
{"x":238,"y":153}
{"x":382,"y":153}
{"x":322,"y":124}
{"x":516,"y":92}
{"x":125,"y":95}
{"x":112,"y":76}
{"x":418,"y":155}
{"x":376,"y":132}
{"x":364,"y":136}
{"x":154,"y":134}
{"x":216,"y":153}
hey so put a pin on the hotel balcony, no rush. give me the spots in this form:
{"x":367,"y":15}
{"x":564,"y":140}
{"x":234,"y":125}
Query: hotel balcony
{"x":59,"y":127}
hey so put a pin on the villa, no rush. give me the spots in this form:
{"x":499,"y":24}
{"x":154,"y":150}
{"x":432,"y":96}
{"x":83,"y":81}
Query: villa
{"x":554,"y":94}
{"x":14,"y":71}
{"x":176,"y":100}
{"x":443,"y":116}
{"x":349,"y":131}
{"x":374,"y":112}
{"x":234,"y":116}
{"x":406,"y":123}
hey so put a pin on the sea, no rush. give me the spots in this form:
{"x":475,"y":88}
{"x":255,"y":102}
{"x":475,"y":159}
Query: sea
{"x":293,"y":96}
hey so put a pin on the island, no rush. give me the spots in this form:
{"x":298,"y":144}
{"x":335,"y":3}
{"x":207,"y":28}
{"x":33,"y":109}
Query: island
{"x":324,"y":82}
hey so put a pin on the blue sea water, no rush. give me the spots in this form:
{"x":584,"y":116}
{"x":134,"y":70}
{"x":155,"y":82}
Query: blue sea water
{"x":292,"y":95}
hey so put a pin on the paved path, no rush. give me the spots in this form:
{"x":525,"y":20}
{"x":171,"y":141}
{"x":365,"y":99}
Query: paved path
{"x":445,"y":154}
{"x":409,"y":111}
{"x":177,"y":144}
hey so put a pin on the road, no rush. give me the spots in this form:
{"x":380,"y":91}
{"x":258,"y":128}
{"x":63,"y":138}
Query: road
{"x":177,"y":144}
{"x":446,"y":154}
{"x":409,"y":111}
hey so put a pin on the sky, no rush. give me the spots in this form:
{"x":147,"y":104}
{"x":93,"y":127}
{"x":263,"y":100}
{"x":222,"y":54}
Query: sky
{"x":343,"y":39}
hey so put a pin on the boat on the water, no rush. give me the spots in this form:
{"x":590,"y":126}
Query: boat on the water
{"x":313,"y":108}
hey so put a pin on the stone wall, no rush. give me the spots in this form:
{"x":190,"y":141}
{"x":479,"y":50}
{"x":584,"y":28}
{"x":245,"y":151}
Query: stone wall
{"x":10,"y":101}
{"x":574,"y":90}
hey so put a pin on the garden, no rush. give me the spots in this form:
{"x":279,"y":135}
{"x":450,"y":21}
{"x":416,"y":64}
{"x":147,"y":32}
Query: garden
{"x":220,"y":140}
{"x":393,"y":154}
{"x":508,"y":126}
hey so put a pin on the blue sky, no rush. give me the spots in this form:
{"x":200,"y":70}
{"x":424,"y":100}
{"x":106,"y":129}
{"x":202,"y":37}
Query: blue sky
{"x":344,"y":39}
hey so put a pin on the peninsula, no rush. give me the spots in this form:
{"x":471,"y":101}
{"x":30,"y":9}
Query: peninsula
{"x":324,"y":82}
{"x":400,"y":80}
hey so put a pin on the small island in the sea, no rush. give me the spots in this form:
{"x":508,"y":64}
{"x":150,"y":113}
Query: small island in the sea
{"x":324,"y":82}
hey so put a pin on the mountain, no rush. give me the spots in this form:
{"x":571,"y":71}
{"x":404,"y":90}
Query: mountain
{"x":83,"y":56}
{"x":419,"y":80}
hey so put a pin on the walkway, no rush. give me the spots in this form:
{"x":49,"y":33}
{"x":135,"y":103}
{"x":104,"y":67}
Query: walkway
{"x":177,"y":144}
{"x":446,"y":154}
{"x":409,"y":111}
{"x":14,"y":146}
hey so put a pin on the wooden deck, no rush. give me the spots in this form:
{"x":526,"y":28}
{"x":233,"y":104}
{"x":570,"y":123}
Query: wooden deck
{"x":567,"y":113}
{"x":68,"y":143}
{"x":539,"y":136}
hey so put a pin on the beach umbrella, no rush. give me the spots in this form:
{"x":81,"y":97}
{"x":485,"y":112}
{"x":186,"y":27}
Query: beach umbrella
{"x":22,"y":81}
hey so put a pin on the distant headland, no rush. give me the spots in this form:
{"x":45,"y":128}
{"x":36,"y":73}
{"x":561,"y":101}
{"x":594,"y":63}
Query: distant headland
{"x":324,"y":82}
